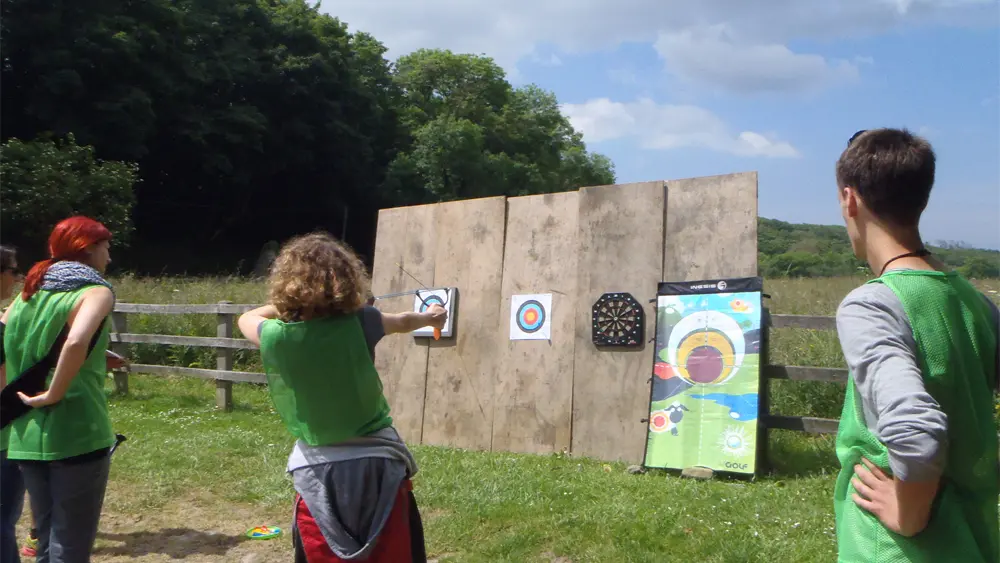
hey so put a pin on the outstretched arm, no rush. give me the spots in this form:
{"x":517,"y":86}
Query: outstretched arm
{"x":249,"y":322}
{"x":435,"y":316}
{"x":95,"y":306}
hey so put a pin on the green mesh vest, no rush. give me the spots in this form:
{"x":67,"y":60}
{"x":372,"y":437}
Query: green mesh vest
{"x":79,"y":423}
{"x":957,"y":343}
{"x":322,"y":380}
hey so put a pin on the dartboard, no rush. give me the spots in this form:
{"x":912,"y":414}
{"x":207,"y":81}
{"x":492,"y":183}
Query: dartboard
{"x":618,"y":320}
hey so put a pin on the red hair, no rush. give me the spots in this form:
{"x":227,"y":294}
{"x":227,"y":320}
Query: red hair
{"x":69,"y":241}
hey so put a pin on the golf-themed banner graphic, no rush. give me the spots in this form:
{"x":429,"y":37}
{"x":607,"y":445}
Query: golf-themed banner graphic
{"x":706,"y":376}
{"x":531,"y":317}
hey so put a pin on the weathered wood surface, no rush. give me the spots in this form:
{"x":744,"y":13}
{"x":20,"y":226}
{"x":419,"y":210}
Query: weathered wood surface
{"x":807,"y":424}
{"x":195,"y":341}
{"x":238,"y":376}
{"x":119,"y":323}
{"x":620,"y":249}
{"x":224,"y":361}
{"x":406,"y":241}
{"x":710,"y":230}
{"x":534,"y":378}
{"x":184,"y":309}
{"x":458,"y":409}
{"x":803,"y":373}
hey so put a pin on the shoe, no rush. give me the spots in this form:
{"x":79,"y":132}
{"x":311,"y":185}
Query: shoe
{"x":30,"y":546}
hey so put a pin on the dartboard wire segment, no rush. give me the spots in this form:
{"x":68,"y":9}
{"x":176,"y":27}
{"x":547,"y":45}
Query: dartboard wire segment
{"x":530,"y":317}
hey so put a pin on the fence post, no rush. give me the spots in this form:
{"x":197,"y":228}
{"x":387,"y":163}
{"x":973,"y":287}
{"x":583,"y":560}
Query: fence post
{"x":119,"y":323}
{"x":764,"y":396}
{"x":224,"y":361}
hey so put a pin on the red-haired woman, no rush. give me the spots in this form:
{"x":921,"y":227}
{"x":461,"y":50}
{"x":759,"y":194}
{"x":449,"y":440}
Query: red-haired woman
{"x":63,"y":449}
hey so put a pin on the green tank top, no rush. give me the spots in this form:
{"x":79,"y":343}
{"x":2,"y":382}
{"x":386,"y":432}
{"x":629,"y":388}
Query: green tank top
{"x":79,"y":423}
{"x":957,"y":343}
{"x":322,"y":379}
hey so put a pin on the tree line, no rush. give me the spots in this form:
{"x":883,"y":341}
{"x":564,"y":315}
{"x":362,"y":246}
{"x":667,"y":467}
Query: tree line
{"x":200,"y":129}
{"x":802,"y":250}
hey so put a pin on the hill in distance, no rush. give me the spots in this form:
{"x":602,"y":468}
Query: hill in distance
{"x":804,"y":250}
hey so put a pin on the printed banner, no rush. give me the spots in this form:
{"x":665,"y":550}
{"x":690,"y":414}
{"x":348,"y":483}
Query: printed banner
{"x":706,"y":376}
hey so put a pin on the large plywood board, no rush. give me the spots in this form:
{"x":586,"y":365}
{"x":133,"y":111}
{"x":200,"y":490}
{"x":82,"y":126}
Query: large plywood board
{"x":620,"y":236}
{"x":458,"y":409}
{"x":405,"y":237}
{"x":534,"y":378}
{"x":711,"y":228}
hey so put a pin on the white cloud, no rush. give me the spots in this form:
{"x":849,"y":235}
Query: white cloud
{"x":513,"y":30}
{"x":715,"y":56}
{"x":551,"y":60}
{"x":663,"y":127}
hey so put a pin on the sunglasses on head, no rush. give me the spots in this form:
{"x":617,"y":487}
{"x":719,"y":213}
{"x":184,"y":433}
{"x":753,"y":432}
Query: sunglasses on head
{"x":855,"y":136}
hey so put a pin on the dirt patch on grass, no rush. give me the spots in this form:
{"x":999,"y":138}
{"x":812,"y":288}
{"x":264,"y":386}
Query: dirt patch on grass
{"x":192,"y":528}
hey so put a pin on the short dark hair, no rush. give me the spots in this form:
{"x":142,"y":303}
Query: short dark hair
{"x":7,"y":258}
{"x":893,"y":172}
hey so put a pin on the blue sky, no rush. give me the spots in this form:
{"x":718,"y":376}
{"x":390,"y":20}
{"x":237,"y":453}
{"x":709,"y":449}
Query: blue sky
{"x":675,"y":89}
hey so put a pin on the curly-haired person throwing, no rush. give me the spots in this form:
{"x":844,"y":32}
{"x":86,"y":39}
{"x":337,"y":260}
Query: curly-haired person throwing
{"x":350,"y":468}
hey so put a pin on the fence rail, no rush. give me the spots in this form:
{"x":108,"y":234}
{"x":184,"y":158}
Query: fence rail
{"x":224,"y":343}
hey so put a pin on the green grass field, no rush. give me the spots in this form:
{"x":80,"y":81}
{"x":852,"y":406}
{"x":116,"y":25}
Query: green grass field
{"x":191,"y":479}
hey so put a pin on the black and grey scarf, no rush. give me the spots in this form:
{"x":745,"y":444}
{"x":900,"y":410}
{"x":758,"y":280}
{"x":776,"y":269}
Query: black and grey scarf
{"x":66,"y":275}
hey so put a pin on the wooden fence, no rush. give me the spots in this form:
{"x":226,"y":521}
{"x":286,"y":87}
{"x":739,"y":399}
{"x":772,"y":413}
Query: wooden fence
{"x":224,"y":344}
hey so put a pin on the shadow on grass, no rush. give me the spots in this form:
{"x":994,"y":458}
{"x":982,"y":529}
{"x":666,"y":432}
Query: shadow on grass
{"x":176,"y":543}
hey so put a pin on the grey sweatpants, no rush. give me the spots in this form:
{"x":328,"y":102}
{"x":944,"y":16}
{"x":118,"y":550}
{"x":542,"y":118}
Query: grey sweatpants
{"x":66,"y":501}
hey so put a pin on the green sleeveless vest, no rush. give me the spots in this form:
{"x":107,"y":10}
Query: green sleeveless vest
{"x":322,"y":380}
{"x":957,"y":343}
{"x":79,"y":423}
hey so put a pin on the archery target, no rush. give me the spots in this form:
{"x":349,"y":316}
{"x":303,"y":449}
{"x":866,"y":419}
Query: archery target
{"x":706,"y":347}
{"x":445,"y":297}
{"x":531,"y":317}
{"x":432,"y":300}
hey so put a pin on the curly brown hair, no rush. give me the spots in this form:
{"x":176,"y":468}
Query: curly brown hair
{"x":316,"y":275}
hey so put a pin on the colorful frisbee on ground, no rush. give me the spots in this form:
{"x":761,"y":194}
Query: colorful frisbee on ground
{"x":264,"y":532}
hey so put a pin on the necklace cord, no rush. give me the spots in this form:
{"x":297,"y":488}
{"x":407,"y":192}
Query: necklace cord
{"x":920,"y":252}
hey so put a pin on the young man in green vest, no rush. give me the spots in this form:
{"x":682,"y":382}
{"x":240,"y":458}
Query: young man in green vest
{"x":918,"y":439}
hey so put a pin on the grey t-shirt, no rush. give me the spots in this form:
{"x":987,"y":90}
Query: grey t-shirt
{"x":881,"y":352}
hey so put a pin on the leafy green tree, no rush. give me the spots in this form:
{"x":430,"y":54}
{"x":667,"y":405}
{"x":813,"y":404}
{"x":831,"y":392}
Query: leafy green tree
{"x":471,"y":134}
{"x":44,"y":181}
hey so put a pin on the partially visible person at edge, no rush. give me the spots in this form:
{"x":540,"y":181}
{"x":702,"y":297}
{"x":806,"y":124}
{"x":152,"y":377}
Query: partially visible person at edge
{"x":917,"y":441}
{"x":11,"y":482}
{"x":351,"y":470}
{"x":63,"y":449}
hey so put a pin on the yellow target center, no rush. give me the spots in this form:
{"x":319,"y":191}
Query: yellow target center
{"x":705,"y":357}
